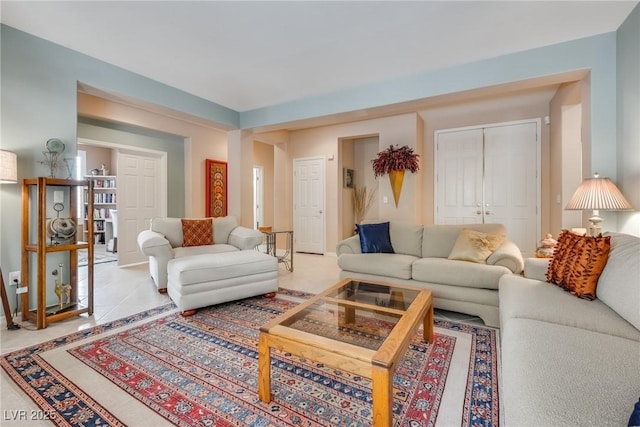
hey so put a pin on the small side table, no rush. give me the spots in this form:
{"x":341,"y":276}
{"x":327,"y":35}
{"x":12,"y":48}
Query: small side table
{"x":287,"y":257}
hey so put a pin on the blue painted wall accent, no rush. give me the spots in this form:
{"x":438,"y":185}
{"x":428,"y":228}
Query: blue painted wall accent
{"x":597,"y":54}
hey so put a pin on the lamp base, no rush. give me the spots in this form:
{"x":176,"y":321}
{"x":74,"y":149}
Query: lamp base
{"x":594,"y":229}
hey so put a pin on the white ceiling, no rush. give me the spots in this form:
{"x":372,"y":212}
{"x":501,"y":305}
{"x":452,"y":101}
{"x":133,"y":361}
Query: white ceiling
{"x":247,"y":55}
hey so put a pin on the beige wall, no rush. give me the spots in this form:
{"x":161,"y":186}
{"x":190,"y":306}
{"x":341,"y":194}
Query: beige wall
{"x":201,"y":142}
{"x":565,"y":168}
{"x":96,"y":157}
{"x":325,"y":141}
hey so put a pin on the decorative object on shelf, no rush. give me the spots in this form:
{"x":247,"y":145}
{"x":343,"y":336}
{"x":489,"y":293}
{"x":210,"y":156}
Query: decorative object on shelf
{"x":63,"y":291}
{"x":70,"y":163}
{"x":547,"y":247}
{"x":394,"y":161}
{"x":60,"y":231}
{"x":598,"y":194}
{"x":362,"y":202}
{"x":348,"y":178}
{"x":55,"y":147}
{"x":216,"y":188}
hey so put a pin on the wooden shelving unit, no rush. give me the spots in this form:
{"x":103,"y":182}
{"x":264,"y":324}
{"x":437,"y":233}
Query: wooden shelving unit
{"x":104,"y":198}
{"x":37,"y":202}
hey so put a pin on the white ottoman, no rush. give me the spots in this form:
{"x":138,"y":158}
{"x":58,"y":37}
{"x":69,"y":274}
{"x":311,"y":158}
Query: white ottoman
{"x":201,"y":280}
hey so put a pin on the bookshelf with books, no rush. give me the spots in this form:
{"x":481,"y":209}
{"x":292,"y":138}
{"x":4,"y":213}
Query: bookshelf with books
{"x":104,"y":201}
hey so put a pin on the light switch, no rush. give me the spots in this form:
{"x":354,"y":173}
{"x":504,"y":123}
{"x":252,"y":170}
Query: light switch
{"x":385,"y":199}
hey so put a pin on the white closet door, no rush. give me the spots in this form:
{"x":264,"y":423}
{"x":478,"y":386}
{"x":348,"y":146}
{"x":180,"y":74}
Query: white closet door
{"x":488,"y":175}
{"x":459,"y":180}
{"x":511,"y":190}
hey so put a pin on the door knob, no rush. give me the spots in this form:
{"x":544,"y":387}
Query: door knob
{"x":319,"y":212}
{"x":488,"y":213}
{"x":478,"y":212}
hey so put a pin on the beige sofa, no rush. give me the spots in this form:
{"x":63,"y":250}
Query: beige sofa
{"x":568,"y":361}
{"x":421,"y":259}
{"x":198,"y":276}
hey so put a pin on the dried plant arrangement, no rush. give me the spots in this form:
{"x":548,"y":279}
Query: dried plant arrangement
{"x":362,"y":202}
{"x":395,"y":158}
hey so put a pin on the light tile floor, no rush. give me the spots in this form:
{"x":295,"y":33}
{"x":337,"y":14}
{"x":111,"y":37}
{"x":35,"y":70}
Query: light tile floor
{"x":120,"y":292}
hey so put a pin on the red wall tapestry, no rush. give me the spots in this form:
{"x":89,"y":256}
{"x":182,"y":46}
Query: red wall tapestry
{"x":216,"y":188}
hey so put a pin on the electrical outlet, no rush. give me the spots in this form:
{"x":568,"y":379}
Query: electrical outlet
{"x":14,"y":278}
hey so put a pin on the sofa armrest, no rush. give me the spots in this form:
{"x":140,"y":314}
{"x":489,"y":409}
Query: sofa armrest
{"x":152,"y":243}
{"x":350,"y":245}
{"x":508,"y":255}
{"x":536,"y":268}
{"x":245,"y":238}
{"x":160,"y":252}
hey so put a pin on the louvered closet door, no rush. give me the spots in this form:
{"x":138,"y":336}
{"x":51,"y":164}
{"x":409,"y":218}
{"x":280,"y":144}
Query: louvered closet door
{"x":488,"y":175}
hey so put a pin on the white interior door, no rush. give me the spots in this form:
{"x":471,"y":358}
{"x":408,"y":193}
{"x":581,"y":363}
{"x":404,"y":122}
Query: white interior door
{"x":142,"y":187}
{"x":511,"y":190}
{"x":459,"y":177}
{"x":308,"y":204}
{"x":489,"y":175}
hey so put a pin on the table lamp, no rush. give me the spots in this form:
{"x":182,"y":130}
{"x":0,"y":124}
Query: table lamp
{"x":598,"y":194}
{"x":8,"y":175}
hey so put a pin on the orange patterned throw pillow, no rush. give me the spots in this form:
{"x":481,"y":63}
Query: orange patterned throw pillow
{"x":577,"y":263}
{"x":197,"y":232}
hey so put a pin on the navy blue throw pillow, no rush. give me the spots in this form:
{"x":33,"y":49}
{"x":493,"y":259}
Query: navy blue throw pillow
{"x":635,"y":415}
{"x":374,"y":238}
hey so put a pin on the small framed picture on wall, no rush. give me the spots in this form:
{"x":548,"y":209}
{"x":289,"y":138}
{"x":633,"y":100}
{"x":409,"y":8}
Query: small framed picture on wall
{"x":348,"y":178}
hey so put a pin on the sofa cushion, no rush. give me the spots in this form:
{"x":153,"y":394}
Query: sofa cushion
{"x":538,"y":300}
{"x":406,"y":238}
{"x":555,"y":375}
{"x":188,"y":271}
{"x":171,"y":228}
{"x":374,"y":238}
{"x":457,"y":273}
{"x":197,"y":232}
{"x":389,"y":265}
{"x":222,"y":227}
{"x":474,"y":246}
{"x":578,"y":262}
{"x":438,"y":239}
{"x":200,"y":250}
{"x":618,"y":285}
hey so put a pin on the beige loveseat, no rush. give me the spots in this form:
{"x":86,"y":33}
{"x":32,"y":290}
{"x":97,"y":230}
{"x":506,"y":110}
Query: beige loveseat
{"x":568,"y":361}
{"x":198,"y":276}
{"x":420,"y":259}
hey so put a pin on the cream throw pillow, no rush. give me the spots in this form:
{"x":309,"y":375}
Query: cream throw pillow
{"x":475,"y":246}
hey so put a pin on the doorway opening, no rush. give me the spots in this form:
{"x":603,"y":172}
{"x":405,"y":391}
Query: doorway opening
{"x":258,"y":196}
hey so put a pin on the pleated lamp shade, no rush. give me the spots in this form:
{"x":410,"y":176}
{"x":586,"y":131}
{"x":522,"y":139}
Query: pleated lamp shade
{"x":598,"y":194}
{"x":8,"y":167}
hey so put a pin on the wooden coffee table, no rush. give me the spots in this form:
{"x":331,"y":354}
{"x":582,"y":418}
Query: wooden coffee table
{"x":328,"y":329}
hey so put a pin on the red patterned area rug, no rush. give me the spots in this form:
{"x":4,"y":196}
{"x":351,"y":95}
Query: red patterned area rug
{"x":158,"y":368}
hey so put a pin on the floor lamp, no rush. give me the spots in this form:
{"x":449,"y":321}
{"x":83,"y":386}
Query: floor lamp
{"x":598,"y":194}
{"x":8,"y":175}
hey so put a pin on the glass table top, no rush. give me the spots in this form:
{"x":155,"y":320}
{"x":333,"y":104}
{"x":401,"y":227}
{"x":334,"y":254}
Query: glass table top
{"x":358,"y":313}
